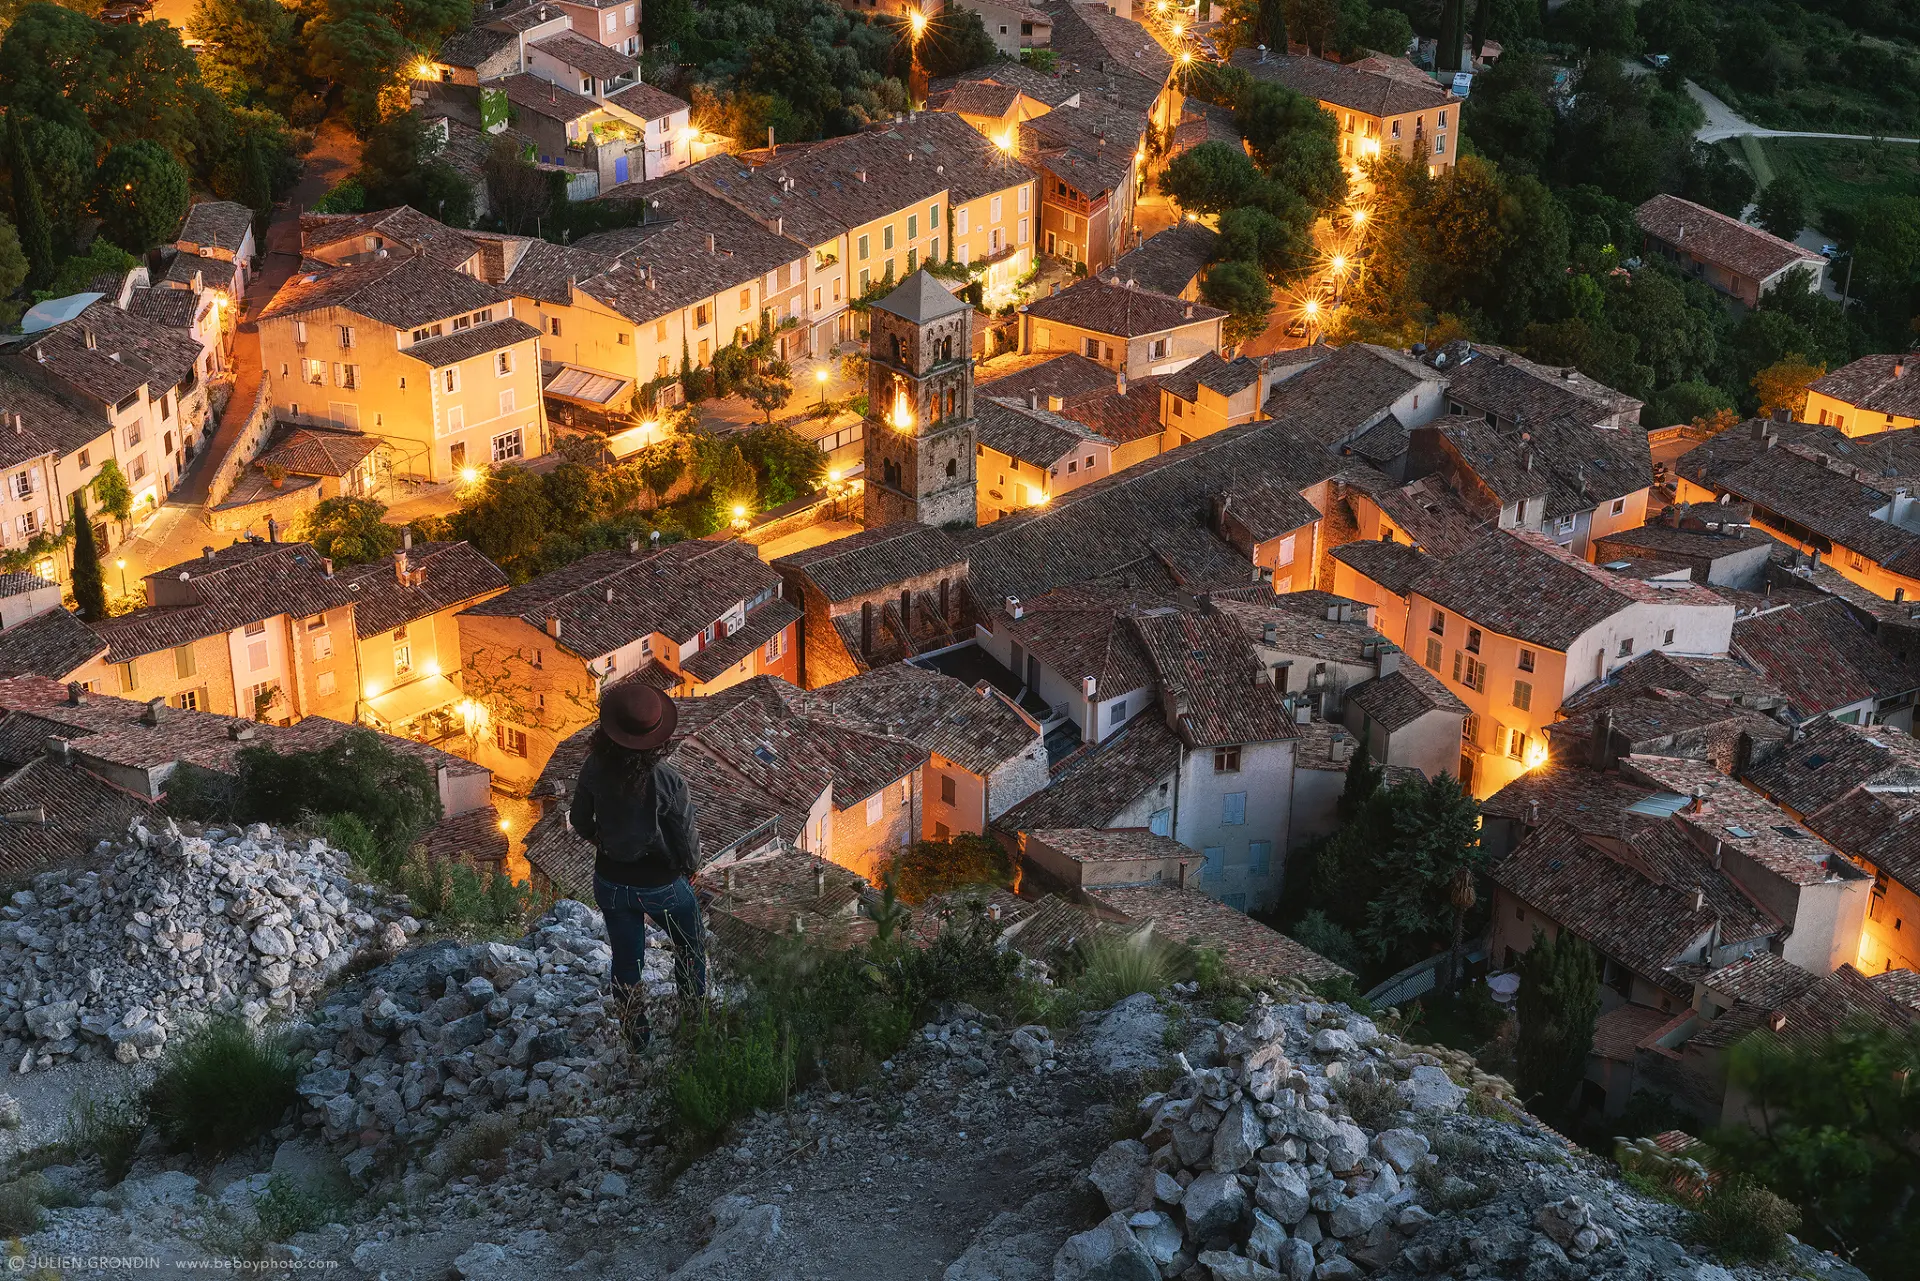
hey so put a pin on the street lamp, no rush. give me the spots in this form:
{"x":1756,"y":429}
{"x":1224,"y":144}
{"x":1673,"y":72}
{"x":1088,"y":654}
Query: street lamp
{"x":122,"y":563}
{"x":468,"y":475}
{"x":820,"y":376}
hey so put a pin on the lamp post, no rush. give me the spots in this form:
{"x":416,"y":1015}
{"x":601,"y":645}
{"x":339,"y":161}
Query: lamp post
{"x":820,"y":376}
{"x":122,"y":563}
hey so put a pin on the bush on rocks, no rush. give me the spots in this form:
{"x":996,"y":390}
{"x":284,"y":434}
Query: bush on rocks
{"x":221,"y":1086}
{"x":730,"y":1069}
{"x":1745,"y":1222}
{"x":1116,"y":968}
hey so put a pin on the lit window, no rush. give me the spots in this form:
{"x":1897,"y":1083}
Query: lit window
{"x":1526,"y":659}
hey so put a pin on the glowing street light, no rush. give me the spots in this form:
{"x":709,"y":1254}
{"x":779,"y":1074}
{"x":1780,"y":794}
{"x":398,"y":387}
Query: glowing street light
{"x":820,"y":376}
{"x":916,"y":23}
{"x":122,"y":563}
{"x":1339,"y":264}
{"x":1311,"y":309}
{"x":1185,"y":58}
{"x":469,"y":474}
{"x":425,"y":70}
{"x":1360,"y":217}
{"x":1004,"y":141}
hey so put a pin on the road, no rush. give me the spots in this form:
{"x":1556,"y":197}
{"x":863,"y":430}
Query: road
{"x":179,"y":530}
{"x":1724,"y":122}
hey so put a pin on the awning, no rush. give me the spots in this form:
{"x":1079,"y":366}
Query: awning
{"x":587,"y":386}
{"x":415,"y":698}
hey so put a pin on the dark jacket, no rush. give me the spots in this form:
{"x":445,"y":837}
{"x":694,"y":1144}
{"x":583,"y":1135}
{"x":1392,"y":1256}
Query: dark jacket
{"x":645,"y":839}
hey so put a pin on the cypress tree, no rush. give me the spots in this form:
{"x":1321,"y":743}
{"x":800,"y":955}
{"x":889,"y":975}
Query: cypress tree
{"x":1453,"y":34}
{"x":89,"y":588}
{"x":1559,"y":1000}
{"x":1363,"y":780}
{"x":29,"y":214}
{"x":256,"y":181}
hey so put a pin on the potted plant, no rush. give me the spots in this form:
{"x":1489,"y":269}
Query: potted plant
{"x":275,"y":473}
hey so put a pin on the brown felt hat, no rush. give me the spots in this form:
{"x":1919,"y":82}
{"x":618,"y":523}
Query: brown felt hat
{"x":637,"y":716}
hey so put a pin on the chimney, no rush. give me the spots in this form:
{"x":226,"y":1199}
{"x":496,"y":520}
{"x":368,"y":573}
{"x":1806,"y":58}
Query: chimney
{"x":553,"y":626}
{"x":1303,"y":715}
{"x":653,"y":539}
{"x":1267,"y":633}
{"x":240,"y":732}
{"x":1533,"y":812}
{"x":206,"y":554}
{"x":1056,"y":403}
{"x":400,"y":568}
{"x":406,"y":538}
{"x":819,"y":882}
{"x":1189,"y":311}
{"x":1777,"y":1021}
{"x":1699,"y":898}
{"x":1033,"y":398}
{"x":771,"y":144}
{"x":326,"y":566}
{"x":710,"y":244}
{"x":1013,"y":606}
{"x":1183,"y":874}
{"x":59,"y":748}
{"x":1899,"y":366}
{"x":726,"y":878}
{"x":87,"y":336}
{"x":1088,"y":685}
{"x":1600,"y":745}
{"x":633,"y":545}
{"x":1742,"y":754}
{"x":156,"y":708}
{"x":1782,"y":414}
{"x":1388,"y":661}
{"x":1120,"y":382}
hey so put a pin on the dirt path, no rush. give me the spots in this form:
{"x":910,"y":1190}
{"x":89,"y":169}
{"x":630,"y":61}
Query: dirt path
{"x":1724,"y":122}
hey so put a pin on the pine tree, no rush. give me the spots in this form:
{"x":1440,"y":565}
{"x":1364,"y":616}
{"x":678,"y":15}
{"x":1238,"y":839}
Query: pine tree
{"x":29,"y":214}
{"x":1558,"y":1002}
{"x":89,"y":588}
{"x":256,"y":181}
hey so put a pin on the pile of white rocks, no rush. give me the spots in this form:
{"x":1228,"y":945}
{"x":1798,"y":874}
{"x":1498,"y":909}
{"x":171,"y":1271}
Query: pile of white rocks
{"x":450,"y":1032}
{"x":176,"y":926}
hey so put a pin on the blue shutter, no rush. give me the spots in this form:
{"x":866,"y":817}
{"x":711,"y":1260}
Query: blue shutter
{"x":1216,"y":857}
{"x":620,"y":169}
{"x":1161,"y":823}
{"x":1233,"y":809}
{"x":1260,"y":857}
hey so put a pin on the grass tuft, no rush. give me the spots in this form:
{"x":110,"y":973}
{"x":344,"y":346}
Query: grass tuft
{"x":1117,"y":968}
{"x":1744,"y":1222}
{"x":108,"y":1128}
{"x":220,"y":1086}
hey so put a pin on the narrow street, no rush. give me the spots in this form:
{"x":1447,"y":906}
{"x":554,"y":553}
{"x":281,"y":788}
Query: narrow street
{"x":179,"y":529}
{"x":1724,"y":122}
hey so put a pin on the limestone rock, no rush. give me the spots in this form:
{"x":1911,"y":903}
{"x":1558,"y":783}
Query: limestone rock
{"x":1108,"y":1251}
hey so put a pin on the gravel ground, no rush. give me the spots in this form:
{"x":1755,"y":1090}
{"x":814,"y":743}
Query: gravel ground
{"x":44,"y":1097}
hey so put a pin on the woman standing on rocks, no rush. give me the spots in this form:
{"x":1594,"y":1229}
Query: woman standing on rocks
{"x":635,"y":808}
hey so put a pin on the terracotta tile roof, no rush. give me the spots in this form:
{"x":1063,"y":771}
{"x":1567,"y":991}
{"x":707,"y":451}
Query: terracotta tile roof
{"x":647,"y":102}
{"x":1592,"y":804}
{"x":81,"y":809}
{"x":1899,"y":986}
{"x":1662,"y":722}
{"x":1339,"y":398}
{"x":1714,"y":679}
{"x":1493,"y":380}
{"x":1883,"y":383}
{"x":1522,"y":585}
{"x":1099,"y":304}
{"x":1190,"y":917}
{"x":441,"y":576}
{"x":53,"y":644}
{"x":174,"y":308}
{"x":1619,"y":1033}
{"x":1082,"y":632}
{"x":1684,"y":545}
{"x":1856,"y":786}
{"x":1111,"y":844}
{"x":245,"y":583}
{"x":1713,"y":237}
{"x":1401,"y":697}
{"x":1259,"y":510}
{"x":1741,"y":819}
{"x":905,"y":162}
{"x":1089,"y":144}
{"x":613,"y":598}
{"x":1811,"y":1007}
{"x":1216,"y":687}
{"x":1821,"y":657}
{"x":1210,"y":371}
{"x":977,"y":728}
{"x":1638,"y":909}
{"x":1090,"y":34}
{"x":216,"y":224}
{"x":1204,"y":122}
{"x":1395,"y":566}
{"x":1129,"y":417}
{"x":1037,"y":436}
{"x":867,"y":561}
{"x":589,"y":56}
{"x":473,"y":46}
{"x":1433,"y":517}
{"x":1834,"y":503}
{"x":1374,"y":84}
{"x":472,"y":837}
{"x":1094,"y":785}
{"x":112,"y":730}
{"x":214,"y":273}
{"x":1167,"y":261}
{"x":128,"y":352}
{"x":400,"y":225}
{"x":309,"y":452}
{"x":547,"y":271}
{"x":20,"y":583}
{"x":475,"y":340}
{"x":761,"y":194}
{"x":659,"y":270}
{"x":1069,"y":376}
{"x":544,"y":98}
{"x":1277,"y":622}
{"x":398,"y":291}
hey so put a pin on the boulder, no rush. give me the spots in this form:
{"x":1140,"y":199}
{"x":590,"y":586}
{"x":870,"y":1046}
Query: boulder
{"x":1129,"y":1037}
{"x":1282,"y":1192}
{"x":1241,"y":1133}
{"x":1220,"y":1265}
{"x":484,"y":1262}
{"x":1401,"y":1149}
{"x":1118,"y":1172}
{"x":1264,"y":1242}
{"x":1109,"y":1251}
{"x":1356,"y":1216}
{"x":1295,"y":1259}
{"x":1158,"y":1234}
{"x":1430,"y":1089}
{"x":1214,"y":1204}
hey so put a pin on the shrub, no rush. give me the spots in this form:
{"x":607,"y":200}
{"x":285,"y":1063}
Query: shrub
{"x":1342,"y":989}
{"x":460,"y":898}
{"x":1320,"y":933}
{"x":1743,"y":1221}
{"x":1373,"y":1101}
{"x":485,"y":1138}
{"x":730,"y":1070}
{"x":20,"y":1205}
{"x":393,"y":794}
{"x":220,"y":1086}
{"x":285,"y":1209}
{"x":106,"y":1127}
{"x":1116,"y":968}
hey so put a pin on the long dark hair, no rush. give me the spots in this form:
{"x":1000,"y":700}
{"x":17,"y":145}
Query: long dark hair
{"x":627,"y":769}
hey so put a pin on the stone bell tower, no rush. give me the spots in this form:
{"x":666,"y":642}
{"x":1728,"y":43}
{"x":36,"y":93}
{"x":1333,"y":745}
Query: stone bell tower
{"x":920,"y":435}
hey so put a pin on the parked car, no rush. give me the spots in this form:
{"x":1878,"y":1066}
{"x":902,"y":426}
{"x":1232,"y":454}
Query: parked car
{"x":1828,"y":251}
{"x":1658,"y":61}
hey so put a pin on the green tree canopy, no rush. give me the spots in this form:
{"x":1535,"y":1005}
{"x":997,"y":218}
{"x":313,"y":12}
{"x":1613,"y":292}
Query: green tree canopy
{"x":110,"y":487}
{"x":1241,"y":290}
{"x":1296,"y":143}
{"x":89,"y":590}
{"x":400,"y":165}
{"x":1558,"y":1002}
{"x":367,"y":46}
{"x":507,"y":516}
{"x":1213,"y":178}
{"x":1783,"y":206}
{"x":140,"y":195}
{"x":956,"y":41}
{"x":29,"y":211}
{"x":350,"y":530}
{"x":247,"y":43}
{"x":360,"y":773}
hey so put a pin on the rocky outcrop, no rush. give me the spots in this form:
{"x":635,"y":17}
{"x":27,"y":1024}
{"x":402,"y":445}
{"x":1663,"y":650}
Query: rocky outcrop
{"x":174,"y":927}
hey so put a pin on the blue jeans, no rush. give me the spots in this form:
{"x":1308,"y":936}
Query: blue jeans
{"x":675,"y":909}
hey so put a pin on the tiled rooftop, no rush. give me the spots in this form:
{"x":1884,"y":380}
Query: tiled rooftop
{"x":1101,"y":305}
{"x":1191,"y":918}
{"x":1713,"y":237}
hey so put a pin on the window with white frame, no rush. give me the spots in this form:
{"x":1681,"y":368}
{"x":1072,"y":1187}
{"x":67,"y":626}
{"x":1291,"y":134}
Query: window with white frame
{"x":503,"y":363}
{"x":507,"y":446}
{"x":876,"y":807}
{"x":450,"y":379}
{"x":20,"y":484}
{"x":506,"y":402}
